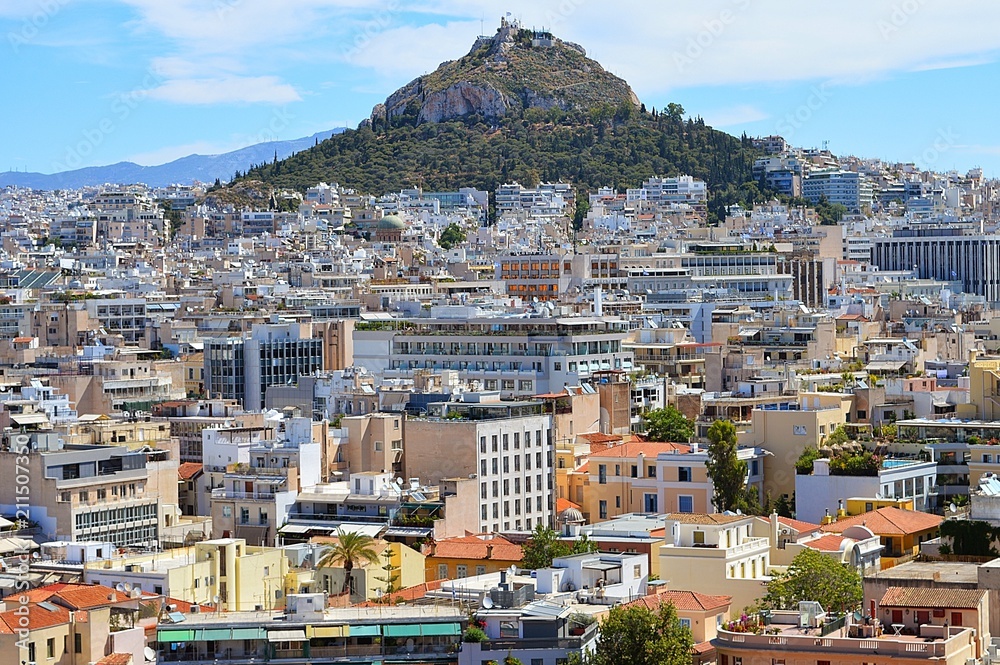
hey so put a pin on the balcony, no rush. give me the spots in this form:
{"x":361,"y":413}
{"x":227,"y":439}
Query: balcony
{"x":221,"y":493}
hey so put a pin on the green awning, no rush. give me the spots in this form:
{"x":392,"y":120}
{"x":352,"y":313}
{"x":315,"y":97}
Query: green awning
{"x":175,"y":636}
{"x":430,"y":629}
{"x":365,"y":631}
{"x":217,"y":634}
{"x":249,"y":633}
{"x":400,"y":630}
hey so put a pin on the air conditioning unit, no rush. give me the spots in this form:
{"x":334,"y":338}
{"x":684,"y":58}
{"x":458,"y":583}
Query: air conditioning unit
{"x":196,"y":609}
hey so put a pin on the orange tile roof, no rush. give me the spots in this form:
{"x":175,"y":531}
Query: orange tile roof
{"x":937,"y":597}
{"x":683,"y":600}
{"x":38,"y":618}
{"x":477,"y":547}
{"x":829,"y":543}
{"x":646,"y":448}
{"x":189,"y":470}
{"x":81,"y":596}
{"x":565,"y":504}
{"x":889,"y":521}
{"x":116,"y":659}
{"x":798,"y":525}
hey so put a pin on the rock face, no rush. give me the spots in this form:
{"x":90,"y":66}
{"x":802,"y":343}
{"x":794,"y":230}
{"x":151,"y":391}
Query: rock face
{"x":516,"y":69}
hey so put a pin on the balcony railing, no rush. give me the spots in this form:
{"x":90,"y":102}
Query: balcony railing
{"x":244,"y":496}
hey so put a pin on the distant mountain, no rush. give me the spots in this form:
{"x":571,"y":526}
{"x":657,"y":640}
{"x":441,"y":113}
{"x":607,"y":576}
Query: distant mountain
{"x":522,"y":106}
{"x":183,"y":171}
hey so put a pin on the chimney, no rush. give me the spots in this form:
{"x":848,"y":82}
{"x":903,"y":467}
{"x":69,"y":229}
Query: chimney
{"x":774,"y":529}
{"x":489,"y":551}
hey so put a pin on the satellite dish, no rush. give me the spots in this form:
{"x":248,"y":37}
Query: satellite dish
{"x":128,"y":588}
{"x":120,"y":587}
{"x":739,"y":512}
{"x":215,"y":598}
{"x":487,"y":603}
{"x":378,"y":593}
{"x":512,"y":571}
{"x":952,"y":507}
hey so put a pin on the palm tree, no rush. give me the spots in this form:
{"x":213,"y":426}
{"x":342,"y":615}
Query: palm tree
{"x":351,"y":548}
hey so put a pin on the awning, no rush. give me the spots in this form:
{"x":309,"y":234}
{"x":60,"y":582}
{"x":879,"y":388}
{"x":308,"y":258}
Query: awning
{"x":602,"y":566}
{"x":286,"y":636}
{"x":431,"y":629}
{"x":365,"y":631}
{"x":175,"y":636}
{"x":249,"y":633}
{"x":327,"y":631}
{"x":29,"y":418}
{"x":217,"y":634}
{"x":402,"y":630}
{"x":885,"y":365}
{"x":295,"y":528}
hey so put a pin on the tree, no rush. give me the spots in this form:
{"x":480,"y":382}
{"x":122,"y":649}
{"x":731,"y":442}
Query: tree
{"x":636,"y":635}
{"x":668,"y":424}
{"x":350,"y":549}
{"x":726,"y":470}
{"x":391,"y":576}
{"x":544,"y":546}
{"x":838,"y":436}
{"x":804,"y":465}
{"x":818,"y":577}
{"x":451,"y":236}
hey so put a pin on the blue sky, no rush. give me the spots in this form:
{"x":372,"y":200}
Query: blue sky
{"x":90,"y":82}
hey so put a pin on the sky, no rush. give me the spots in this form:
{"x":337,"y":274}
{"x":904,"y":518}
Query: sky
{"x":93,"y":82}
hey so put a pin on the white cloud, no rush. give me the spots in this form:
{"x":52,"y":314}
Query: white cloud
{"x":734,"y":115}
{"x":227,"y":90}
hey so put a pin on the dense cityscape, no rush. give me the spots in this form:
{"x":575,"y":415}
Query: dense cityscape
{"x":718,"y":400}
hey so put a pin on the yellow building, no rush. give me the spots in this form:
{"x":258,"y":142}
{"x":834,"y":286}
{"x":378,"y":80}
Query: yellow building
{"x":242,"y":577}
{"x":984,"y":390}
{"x":457,"y":558}
{"x":700,"y":613}
{"x":370,"y":579}
{"x":786,"y":433}
{"x":857,"y":506}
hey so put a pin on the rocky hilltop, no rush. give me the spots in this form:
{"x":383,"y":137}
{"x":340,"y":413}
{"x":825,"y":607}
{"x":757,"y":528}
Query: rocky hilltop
{"x":514,"y":70}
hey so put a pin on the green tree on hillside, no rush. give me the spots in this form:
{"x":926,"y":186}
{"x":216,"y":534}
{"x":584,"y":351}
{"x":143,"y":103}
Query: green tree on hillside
{"x":668,"y":424}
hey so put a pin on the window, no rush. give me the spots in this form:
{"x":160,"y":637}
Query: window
{"x":699,"y":537}
{"x":50,"y":647}
{"x":987,"y":458}
{"x":603,"y":509}
{"x":227,"y":511}
{"x":480,"y":570}
{"x":31,"y":652}
{"x":602,"y":474}
{"x":618,"y":501}
{"x":378,"y":446}
{"x":650,"y":503}
{"x":461,"y":571}
{"x":651,"y":471}
{"x":685,"y":623}
{"x":635,"y":471}
{"x":482,"y":444}
{"x":442,"y":571}
{"x":685,"y":504}
{"x":77,"y":643}
{"x":244,"y":515}
{"x":754,"y":468}
{"x":684,"y":474}
{"x":84,"y":497}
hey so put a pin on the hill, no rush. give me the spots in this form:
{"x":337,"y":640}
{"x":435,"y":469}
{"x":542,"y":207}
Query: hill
{"x":183,"y":171}
{"x":518,"y":119}
{"x":515,"y":70}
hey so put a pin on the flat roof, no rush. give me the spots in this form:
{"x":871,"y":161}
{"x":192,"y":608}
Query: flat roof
{"x":949,"y":572}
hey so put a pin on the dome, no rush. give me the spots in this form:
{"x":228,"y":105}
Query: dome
{"x":391,"y":223}
{"x":571,"y":515}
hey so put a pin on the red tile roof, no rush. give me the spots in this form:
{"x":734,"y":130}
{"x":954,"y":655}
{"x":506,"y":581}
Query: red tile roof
{"x":648,"y":449}
{"x":565,"y":504}
{"x":828,"y":543}
{"x":189,"y":470}
{"x":116,"y":659}
{"x":477,"y":547}
{"x":889,"y":521}
{"x":38,"y":618}
{"x":683,"y":600}
{"x":940,"y":598}
{"x":406,"y":595}
{"x":88,"y":596}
